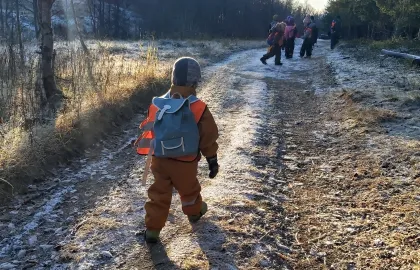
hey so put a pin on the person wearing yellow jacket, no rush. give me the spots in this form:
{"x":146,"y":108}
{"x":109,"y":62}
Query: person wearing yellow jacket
{"x":180,"y":173}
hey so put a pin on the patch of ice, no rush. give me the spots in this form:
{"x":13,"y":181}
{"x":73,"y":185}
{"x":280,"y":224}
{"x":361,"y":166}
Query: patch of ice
{"x":46,"y":209}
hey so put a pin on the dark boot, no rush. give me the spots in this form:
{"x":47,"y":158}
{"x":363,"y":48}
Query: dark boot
{"x":302,"y":51}
{"x":277,"y":59}
{"x":263,"y":60}
{"x":195,"y":218}
{"x":151,"y":237}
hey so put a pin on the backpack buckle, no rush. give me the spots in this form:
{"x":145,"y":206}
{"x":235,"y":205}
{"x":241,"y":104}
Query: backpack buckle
{"x":162,"y":112}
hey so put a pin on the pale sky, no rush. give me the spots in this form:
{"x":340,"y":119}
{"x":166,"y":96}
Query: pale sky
{"x":316,"y":4}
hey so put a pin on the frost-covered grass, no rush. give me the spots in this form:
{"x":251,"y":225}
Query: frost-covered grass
{"x":102,"y":90}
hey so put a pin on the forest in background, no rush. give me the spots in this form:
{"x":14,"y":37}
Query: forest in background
{"x":135,"y":19}
{"x":376,"y":19}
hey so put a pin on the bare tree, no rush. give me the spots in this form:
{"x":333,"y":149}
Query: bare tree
{"x":79,"y":33}
{"x":52,"y":93}
{"x":1,"y":18}
{"x":36,"y":14}
{"x":19,"y":32}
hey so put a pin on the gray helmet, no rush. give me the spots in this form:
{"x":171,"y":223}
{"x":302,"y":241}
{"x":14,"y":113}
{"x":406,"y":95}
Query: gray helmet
{"x":186,"y":72}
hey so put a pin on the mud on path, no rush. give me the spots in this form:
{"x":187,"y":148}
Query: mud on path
{"x":295,"y":173}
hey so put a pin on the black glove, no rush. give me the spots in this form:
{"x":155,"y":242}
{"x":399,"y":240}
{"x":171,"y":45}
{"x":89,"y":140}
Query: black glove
{"x":213,"y":166}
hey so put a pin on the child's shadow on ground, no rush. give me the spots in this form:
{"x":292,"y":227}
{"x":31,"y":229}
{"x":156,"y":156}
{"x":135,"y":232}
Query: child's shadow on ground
{"x":160,"y":258}
{"x":211,"y":239}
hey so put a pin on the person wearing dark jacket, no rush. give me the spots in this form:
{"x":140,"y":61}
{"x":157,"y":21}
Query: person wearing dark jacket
{"x":275,"y":49}
{"x":310,"y":34}
{"x":335,"y":31}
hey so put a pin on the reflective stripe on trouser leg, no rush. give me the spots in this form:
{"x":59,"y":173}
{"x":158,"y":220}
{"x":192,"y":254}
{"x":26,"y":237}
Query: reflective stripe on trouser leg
{"x":192,"y":208}
{"x":189,"y":203}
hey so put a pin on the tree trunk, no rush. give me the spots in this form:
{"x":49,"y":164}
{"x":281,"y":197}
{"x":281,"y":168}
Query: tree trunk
{"x":52,"y":93}
{"x":101,"y":18}
{"x":109,"y":22}
{"x":372,"y":35}
{"x":6,"y":15}
{"x":79,"y":33}
{"x":117,"y":20}
{"x":19,"y":32}
{"x":36,"y":17}
{"x":415,"y":58}
{"x":1,"y":19}
{"x":91,"y":6}
{"x":396,"y":30}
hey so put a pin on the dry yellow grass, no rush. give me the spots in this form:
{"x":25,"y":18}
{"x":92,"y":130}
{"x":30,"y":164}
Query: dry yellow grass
{"x":96,"y":223}
{"x":102,"y":90}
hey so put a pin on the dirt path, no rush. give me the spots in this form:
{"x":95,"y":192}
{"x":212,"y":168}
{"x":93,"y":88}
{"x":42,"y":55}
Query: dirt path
{"x":280,"y":148}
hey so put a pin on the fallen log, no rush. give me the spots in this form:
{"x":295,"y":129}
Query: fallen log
{"x":415,"y":58}
{"x":400,"y":55}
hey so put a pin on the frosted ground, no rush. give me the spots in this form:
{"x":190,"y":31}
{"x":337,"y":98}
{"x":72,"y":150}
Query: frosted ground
{"x":302,"y":173}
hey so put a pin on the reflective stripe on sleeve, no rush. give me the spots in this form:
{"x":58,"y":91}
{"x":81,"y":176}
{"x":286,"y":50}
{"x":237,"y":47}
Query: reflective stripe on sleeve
{"x":148,"y":126}
{"x":144,"y":143}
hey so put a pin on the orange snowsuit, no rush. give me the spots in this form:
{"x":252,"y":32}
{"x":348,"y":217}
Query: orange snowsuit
{"x":182,"y":175}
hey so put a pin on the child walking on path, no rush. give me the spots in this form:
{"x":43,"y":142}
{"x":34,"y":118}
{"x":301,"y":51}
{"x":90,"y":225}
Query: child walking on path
{"x":275,"y":50}
{"x":310,"y":34}
{"x":178,"y":129}
{"x":289,"y":36}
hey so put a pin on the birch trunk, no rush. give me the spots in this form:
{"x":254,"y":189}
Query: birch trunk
{"x":52,"y":93}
